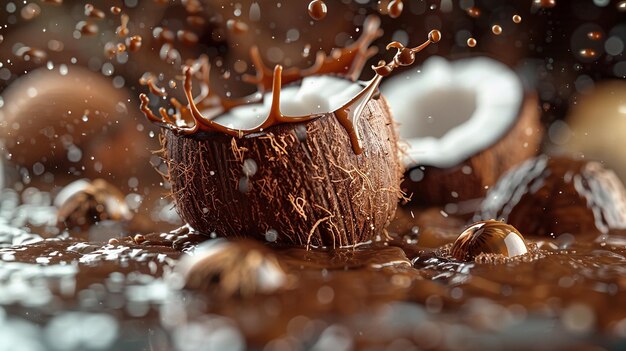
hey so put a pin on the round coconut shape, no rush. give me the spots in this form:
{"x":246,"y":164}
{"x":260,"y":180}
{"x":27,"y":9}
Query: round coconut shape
{"x":69,"y":121}
{"x":557,"y":195}
{"x":296,"y":184}
{"x":464,"y":122}
{"x":472,"y":178}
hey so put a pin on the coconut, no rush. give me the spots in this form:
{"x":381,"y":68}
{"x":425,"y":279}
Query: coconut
{"x":557,"y":195}
{"x":72,"y":123}
{"x":465,"y":123}
{"x":292,"y":183}
{"x":82,"y":204}
{"x":230,"y":268}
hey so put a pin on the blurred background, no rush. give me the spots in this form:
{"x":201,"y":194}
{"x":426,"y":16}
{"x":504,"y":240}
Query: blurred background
{"x":70,"y":77}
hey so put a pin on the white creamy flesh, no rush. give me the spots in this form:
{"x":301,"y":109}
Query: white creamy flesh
{"x":315,"y":95}
{"x":451,"y":110}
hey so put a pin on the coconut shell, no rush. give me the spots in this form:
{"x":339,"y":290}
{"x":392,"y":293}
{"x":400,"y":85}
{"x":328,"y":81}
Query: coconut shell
{"x":297,"y":184}
{"x":46,"y":115}
{"x":472,"y":178}
{"x":553,"y":196}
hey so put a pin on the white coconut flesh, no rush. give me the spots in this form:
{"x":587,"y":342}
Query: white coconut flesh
{"x":448,"y":111}
{"x":315,"y":95}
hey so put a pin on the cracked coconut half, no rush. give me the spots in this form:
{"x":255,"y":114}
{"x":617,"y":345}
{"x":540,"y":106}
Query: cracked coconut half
{"x":465,"y":123}
{"x":311,"y":163}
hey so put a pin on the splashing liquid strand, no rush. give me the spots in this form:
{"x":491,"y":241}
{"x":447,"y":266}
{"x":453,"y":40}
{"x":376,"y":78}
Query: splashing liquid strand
{"x":395,"y":8}
{"x":546,"y":4}
{"x":236,"y":27}
{"x":473,"y":12}
{"x":317,"y":10}
{"x":595,"y":35}
{"x":91,"y":11}
{"x":588,"y":53}
{"x":87,"y":28}
{"x":348,"y":61}
{"x":122,"y":30}
{"x":134,"y":43}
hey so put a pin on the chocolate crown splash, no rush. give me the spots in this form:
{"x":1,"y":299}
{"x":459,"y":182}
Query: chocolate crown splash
{"x":199,"y":113}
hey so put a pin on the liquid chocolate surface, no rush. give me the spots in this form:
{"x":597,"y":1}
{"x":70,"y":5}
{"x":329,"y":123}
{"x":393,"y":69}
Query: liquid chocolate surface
{"x":404,"y":290}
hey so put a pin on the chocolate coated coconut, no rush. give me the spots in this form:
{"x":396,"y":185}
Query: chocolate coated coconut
{"x":488,"y":237}
{"x":315,"y":163}
{"x":556,"y":195}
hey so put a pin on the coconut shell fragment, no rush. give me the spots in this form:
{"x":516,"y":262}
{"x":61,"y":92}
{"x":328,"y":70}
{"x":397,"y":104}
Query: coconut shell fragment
{"x":299,"y":184}
{"x":472,"y":178}
{"x":557,"y":195}
{"x":83,"y":204}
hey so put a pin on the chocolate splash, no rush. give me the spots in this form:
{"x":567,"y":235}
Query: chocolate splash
{"x":348,"y":61}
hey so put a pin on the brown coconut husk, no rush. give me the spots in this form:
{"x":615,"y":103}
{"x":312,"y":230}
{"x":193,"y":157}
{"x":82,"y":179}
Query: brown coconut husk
{"x":472,"y":178}
{"x":310,"y":187}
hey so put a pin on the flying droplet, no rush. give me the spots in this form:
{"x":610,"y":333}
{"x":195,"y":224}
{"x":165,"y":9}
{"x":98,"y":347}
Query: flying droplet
{"x":395,"y":8}
{"x":594,"y":35}
{"x":473,"y":12}
{"x":588,"y":53}
{"x":517,"y":18}
{"x":496,"y":29}
{"x":471,"y":42}
{"x":317,"y":9}
{"x":434,"y":36}
{"x":546,"y":4}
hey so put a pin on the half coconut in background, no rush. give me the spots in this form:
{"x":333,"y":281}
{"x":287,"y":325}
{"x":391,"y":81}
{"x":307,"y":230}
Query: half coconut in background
{"x":464,"y":123}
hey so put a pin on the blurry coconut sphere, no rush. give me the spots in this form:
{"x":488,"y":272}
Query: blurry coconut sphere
{"x":71,"y":122}
{"x":596,"y":126}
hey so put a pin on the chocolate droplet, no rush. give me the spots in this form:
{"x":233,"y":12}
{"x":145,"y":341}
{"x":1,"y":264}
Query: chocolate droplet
{"x":434,"y":36}
{"x":395,"y":8}
{"x":317,"y":10}
{"x":406,"y":57}
{"x":489,"y":237}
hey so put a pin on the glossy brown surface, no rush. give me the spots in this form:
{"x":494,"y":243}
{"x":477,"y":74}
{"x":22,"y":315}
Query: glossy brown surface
{"x":562,"y":293}
{"x":551,"y":196}
{"x":488,"y":237}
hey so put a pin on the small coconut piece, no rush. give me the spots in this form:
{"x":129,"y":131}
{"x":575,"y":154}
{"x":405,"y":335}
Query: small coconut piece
{"x":230,"y":268}
{"x":66,"y":121}
{"x":294,"y":183}
{"x":488,"y":237}
{"x":83,"y":203}
{"x":557,"y":195}
{"x":465,"y":123}
{"x":596,"y":126}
